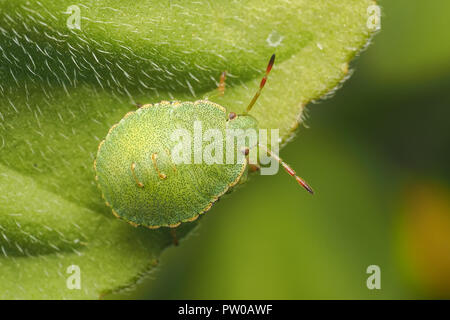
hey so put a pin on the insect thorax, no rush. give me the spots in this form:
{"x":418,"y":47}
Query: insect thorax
{"x":244,"y":127}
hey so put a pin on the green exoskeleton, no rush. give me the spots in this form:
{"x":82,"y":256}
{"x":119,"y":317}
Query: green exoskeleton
{"x":142,"y":183}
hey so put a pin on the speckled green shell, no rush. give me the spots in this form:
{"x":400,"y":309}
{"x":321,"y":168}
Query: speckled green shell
{"x":187,"y":190}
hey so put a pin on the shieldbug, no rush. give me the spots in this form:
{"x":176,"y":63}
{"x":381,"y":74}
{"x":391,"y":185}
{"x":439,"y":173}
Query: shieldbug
{"x":141,"y":183}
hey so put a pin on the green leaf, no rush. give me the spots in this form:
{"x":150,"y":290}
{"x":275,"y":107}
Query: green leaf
{"x":61,"y":90}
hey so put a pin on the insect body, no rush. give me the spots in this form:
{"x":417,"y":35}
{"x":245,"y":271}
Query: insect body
{"x":141,"y":182}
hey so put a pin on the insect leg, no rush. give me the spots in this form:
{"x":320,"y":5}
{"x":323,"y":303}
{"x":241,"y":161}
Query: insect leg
{"x":133,"y":172}
{"x":173,"y":233}
{"x":251,"y":166}
{"x":254,"y":167}
{"x":221,"y":87}
{"x":161,"y":175}
{"x":174,"y":167}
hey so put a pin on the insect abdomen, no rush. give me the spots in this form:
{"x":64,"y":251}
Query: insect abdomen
{"x":139,"y":177}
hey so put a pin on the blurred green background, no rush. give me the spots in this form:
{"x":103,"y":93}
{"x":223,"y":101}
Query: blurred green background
{"x":377,"y":154}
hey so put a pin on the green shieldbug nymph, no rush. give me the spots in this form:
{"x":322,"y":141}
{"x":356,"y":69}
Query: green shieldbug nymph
{"x":138,"y":177}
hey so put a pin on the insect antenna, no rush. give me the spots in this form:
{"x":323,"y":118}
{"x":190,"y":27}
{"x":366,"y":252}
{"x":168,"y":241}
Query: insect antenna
{"x":261,"y":85}
{"x":288,"y":169}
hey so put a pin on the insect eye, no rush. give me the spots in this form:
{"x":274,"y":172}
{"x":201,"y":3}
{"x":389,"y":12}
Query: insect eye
{"x":231,"y":115}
